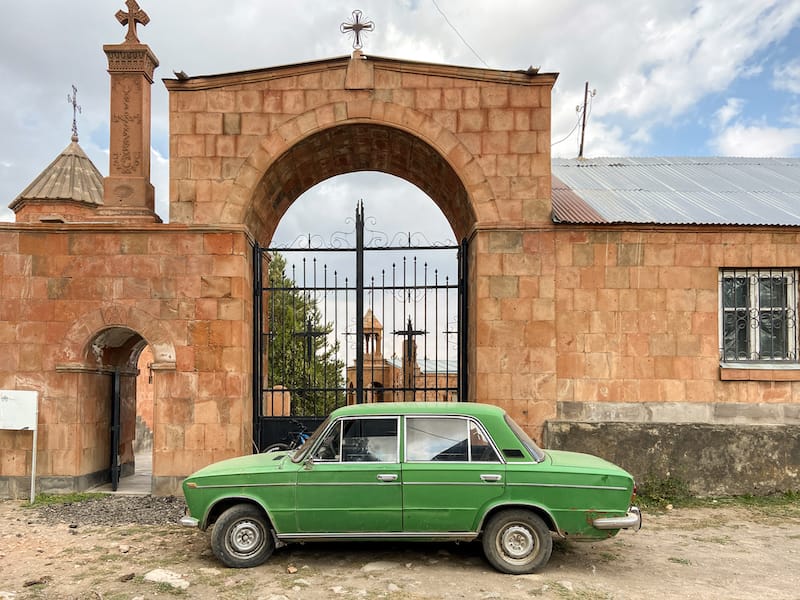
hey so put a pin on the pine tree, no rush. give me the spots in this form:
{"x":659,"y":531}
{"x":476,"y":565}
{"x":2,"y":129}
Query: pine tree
{"x":300,"y":355}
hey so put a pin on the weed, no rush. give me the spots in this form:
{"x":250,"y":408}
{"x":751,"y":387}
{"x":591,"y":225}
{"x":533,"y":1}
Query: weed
{"x":45,"y":499}
{"x":680,"y":561}
{"x":658,"y":493}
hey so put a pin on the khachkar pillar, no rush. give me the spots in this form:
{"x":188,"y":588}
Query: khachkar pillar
{"x":127,"y":191}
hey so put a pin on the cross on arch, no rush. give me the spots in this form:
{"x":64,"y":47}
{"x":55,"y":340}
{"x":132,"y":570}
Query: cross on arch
{"x":355,"y":27}
{"x":134,"y":15}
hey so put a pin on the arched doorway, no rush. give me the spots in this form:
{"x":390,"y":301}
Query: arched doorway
{"x":114,"y":407}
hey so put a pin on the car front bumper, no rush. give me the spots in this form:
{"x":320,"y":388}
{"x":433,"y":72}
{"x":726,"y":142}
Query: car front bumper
{"x":632,"y":520}
{"x":188,"y":521}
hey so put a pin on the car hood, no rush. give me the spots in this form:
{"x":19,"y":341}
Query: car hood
{"x":583,"y":462}
{"x":254,"y":463}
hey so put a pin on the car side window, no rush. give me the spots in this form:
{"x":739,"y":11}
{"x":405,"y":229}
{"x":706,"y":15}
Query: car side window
{"x":447,"y":439}
{"x":330,"y":446}
{"x":360,"y":440}
{"x":436,"y":439}
{"x":481,"y":449}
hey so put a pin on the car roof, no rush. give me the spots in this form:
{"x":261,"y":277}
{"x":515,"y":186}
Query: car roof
{"x":473,"y":409}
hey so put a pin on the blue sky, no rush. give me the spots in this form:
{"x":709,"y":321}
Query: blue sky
{"x":673,"y":77}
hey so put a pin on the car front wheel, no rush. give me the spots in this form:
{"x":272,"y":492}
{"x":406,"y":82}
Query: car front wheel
{"x":241,"y":537}
{"x":517,"y":542}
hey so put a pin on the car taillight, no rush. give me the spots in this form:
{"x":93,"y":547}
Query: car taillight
{"x":634,"y":492}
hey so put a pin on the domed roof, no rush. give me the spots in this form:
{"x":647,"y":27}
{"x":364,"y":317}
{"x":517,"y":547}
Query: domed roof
{"x":71,"y":177}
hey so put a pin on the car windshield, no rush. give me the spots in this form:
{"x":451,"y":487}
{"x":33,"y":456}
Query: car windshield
{"x":536,"y":452}
{"x":301,"y":452}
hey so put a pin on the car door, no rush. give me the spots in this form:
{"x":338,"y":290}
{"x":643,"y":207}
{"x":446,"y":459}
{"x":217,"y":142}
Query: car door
{"x":352,"y":484}
{"x":450,"y":471}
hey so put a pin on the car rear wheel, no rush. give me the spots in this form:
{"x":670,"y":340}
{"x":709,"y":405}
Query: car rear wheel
{"x":241,"y":537}
{"x":517,"y":542}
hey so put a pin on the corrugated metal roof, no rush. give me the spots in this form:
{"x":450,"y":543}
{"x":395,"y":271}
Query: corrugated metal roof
{"x":677,"y":191}
{"x":429,"y":366}
{"x":71,"y":177}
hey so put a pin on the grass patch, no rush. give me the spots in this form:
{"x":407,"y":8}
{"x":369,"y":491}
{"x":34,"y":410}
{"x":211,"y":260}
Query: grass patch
{"x":47,"y":499}
{"x":660,"y":494}
{"x":680,"y":561}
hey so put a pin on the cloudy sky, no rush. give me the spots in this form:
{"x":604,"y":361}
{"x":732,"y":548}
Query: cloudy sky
{"x":672,"y":77}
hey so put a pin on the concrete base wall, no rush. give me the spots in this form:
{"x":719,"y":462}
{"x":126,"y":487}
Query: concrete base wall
{"x":20,"y":487}
{"x":713,"y":459}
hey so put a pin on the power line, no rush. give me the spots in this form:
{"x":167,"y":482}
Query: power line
{"x":453,"y":27}
{"x":566,"y":137}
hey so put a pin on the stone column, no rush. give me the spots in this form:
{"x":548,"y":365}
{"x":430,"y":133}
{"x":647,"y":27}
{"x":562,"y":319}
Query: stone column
{"x":127,"y":191}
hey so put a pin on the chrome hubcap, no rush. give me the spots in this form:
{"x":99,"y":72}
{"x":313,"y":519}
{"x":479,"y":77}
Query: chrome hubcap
{"x":517,"y":541}
{"x":245,"y":537}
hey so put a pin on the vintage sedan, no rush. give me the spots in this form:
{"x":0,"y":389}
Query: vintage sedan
{"x":412,"y":471}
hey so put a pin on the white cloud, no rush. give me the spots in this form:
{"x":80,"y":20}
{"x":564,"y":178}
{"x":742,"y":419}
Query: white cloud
{"x":731,"y":109}
{"x":787,"y":77}
{"x":757,"y":140}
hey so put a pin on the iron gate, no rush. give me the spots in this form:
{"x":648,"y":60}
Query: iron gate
{"x":378,"y":320}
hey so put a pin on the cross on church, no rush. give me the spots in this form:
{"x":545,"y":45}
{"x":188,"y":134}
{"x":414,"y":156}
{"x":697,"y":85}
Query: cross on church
{"x":309,"y":333}
{"x":131,"y":18}
{"x":409,"y":332}
{"x":355,"y":27}
{"x":75,"y":110}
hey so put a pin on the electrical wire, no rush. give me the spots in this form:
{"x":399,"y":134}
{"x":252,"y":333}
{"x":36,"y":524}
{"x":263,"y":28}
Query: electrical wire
{"x":453,"y":27}
{"x":566,"y":137}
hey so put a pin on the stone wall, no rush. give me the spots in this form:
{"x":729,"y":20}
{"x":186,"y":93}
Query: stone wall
{"x":79,"y":301}
{"x":637,"y":315}
{"x":713,"y":459}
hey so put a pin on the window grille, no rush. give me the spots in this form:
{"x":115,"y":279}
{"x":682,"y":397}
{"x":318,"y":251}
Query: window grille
{"x":758,"y":320}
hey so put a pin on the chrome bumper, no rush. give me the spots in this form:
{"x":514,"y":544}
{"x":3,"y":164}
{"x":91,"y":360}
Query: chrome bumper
{"x":632,"y":520}
{"x":188,"y":521}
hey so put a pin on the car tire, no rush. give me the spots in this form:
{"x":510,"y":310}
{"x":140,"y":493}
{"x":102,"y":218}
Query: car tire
{"x":517,"y":542}
{"x":241,"y":537}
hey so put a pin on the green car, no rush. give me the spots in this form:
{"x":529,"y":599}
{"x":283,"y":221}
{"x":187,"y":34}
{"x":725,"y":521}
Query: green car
{"x":412,"y":471}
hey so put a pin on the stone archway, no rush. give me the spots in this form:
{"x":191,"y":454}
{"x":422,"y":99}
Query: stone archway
{"x":245,"y":145}
{"x":357,"y":145}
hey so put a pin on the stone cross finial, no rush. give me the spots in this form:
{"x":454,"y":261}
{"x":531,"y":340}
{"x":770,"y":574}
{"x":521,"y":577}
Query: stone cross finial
{"x":355,"y":27}
{"x":131,"y":18}
{"x":75,"y":110}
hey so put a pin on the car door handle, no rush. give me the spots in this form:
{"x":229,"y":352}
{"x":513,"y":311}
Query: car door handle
{"x":491,"y":477}
{"x":387,"y":477}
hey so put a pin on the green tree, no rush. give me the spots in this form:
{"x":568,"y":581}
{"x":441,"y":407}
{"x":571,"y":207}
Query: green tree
{"x":300,"y":355}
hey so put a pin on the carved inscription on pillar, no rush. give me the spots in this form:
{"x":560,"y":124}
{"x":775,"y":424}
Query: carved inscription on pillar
{"x":126,"y":121}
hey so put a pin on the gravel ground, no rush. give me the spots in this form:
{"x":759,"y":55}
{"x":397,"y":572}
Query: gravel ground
{"x":115,"y":510}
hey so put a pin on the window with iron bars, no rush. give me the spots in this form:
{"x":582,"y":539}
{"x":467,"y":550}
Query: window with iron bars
{"x":758,"y":320}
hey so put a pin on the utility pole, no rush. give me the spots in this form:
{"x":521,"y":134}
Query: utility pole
{"x":583,"y":126}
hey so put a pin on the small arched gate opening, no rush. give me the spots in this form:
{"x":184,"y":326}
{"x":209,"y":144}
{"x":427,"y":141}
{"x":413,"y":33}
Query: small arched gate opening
{"x":112,"y":405}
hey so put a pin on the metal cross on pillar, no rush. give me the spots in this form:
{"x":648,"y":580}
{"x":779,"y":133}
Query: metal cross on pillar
{"x":355,"y":27}
{"x":409,"y":359}
{"x":131,"y":18}
{"x":310,"y":333}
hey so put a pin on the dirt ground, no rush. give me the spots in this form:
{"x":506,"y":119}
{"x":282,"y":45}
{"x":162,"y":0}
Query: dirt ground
{"x":724,"y":552}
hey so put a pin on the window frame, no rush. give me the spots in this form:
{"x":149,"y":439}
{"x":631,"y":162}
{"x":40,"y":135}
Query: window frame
{"x":338,"y":425}
{"x":468,"y":421}
{"x":755,"y":309}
